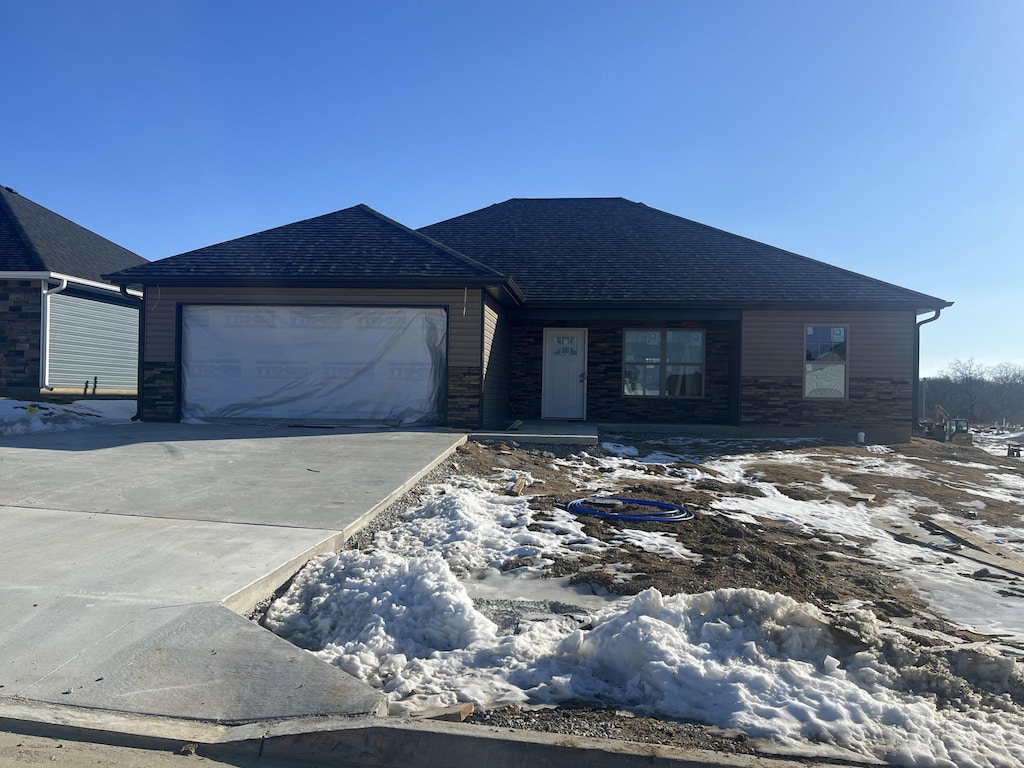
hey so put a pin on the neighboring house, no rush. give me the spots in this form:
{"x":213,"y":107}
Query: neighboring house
{"x":63,"y":328}
{"x":598,"y":309}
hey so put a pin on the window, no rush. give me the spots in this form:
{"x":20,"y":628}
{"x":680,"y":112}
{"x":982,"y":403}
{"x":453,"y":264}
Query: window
{"x":659,"y":363}
{"x":566,"y":345}
{"x":825,"y":361}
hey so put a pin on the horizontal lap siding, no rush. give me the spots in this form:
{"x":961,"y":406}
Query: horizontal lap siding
{"x":881,"y":344}
{"x":92,"y":343}
{"x":464,"y":316}
{"x":496,"y":359}
{"x":880,"y":371}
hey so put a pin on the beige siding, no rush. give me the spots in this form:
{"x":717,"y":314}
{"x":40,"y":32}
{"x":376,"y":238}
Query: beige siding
{"x":464,"y":312}
{"x":880,"y":345}
{"x":496,"y":361}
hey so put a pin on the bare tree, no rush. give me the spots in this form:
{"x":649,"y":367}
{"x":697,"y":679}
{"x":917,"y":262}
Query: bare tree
{"x":968,"y":378}
{"x":1007,"y":392}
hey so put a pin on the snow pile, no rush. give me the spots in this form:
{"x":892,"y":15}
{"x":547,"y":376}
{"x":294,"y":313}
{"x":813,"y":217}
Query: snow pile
{"x":737,"y":658}
{"x":478,"y":531}
{"x":19,"y":417}
{"x":400,"y":616}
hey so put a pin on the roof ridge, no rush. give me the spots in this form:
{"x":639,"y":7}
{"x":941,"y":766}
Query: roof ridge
{"x":448,"y":250}
{"x":592,"y":197}
{"x":19,"y":229}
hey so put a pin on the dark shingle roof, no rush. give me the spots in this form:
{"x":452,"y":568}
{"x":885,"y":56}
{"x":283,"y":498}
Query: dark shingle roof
{"x":34,"y":239}
{"x":356,"y":246}
{"x":611,"y":250}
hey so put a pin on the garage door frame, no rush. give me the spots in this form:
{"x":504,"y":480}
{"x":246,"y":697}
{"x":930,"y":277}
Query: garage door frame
{"x":442,"y":367}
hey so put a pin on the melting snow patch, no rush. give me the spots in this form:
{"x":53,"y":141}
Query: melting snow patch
{"x":830,"y":483}
{"x":659,"y":543}
{"x":19,"y":417}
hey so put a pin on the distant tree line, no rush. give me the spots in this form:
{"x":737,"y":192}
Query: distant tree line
{"x":970,"y":390}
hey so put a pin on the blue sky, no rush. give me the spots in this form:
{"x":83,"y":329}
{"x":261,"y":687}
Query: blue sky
{"x":883,"y":137}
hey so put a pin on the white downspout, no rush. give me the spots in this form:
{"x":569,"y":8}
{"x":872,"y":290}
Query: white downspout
{"x":44,"y":341}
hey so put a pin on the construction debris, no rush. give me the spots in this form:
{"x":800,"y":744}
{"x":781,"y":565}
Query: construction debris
{"x":949,"y":537}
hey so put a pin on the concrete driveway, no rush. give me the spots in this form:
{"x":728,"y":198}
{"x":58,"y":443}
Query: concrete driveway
{"x":129,"y":551}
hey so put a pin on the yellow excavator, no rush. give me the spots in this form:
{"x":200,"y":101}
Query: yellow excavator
{"x":950,"y":430}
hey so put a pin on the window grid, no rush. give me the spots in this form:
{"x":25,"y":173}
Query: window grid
{"x":825,"y":361}
{"x":663,"y":363}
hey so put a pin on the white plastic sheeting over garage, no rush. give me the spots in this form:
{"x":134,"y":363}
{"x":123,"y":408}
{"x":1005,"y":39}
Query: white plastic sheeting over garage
{"x":313,"y":364}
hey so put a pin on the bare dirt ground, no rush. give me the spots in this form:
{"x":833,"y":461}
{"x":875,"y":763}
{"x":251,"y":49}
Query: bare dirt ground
{"x":768,"y":555}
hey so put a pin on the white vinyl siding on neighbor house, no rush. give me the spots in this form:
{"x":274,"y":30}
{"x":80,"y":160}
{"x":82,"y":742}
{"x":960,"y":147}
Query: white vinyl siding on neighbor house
{"x":91,"y":344}
{"x":663,"y":363}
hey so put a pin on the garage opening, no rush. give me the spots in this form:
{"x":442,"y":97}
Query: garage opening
{"x":314,"y":364}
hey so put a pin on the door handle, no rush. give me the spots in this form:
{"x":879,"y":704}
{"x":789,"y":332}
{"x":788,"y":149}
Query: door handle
{"x":583,"y":377}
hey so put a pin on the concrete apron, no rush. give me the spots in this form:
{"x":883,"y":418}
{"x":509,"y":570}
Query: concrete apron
{"x":357,"y":742}
{"x":127,"y":551}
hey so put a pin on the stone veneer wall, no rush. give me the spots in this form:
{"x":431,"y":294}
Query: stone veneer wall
{"x":883,"y":403}
{"x":464,"y":387}
{"x":159,"y":392}
{"x":605,"y":400}
{"x":20,"y":332}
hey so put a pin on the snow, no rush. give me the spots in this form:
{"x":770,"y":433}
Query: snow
{"x":19,"y":417}
{"x":659,"y":543}
{"x":408,"y":615}
{"x":401,"y":616}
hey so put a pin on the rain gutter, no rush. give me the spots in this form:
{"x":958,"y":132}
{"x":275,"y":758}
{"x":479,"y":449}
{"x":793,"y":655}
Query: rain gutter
{"x":915,"y":400}
{"x":63,"y":282}
{"x":44,"y":328}
{"x":74,"y":282}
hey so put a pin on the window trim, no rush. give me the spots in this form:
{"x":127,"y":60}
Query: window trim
{"x":805,"y":363}
{"x":664,"y":365}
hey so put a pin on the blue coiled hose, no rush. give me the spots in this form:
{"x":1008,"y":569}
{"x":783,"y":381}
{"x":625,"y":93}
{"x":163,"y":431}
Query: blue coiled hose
{"x":663,"y":511}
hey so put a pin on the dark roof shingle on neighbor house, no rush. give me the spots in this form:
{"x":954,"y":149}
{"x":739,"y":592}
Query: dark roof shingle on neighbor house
{"x":612,"y":250}
{"x":354,"y":246}
{"x":35,"y":239}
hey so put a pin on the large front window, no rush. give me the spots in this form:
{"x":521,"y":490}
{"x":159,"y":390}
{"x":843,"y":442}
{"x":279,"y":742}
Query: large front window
{"x":825,"y":361}
{"x":663,"y":363}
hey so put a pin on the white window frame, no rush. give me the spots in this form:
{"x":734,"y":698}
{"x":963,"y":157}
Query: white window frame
{"x":820,"y":374}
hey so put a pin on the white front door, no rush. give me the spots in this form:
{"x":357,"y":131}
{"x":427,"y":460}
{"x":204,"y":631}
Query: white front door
{"x":564,"y":380}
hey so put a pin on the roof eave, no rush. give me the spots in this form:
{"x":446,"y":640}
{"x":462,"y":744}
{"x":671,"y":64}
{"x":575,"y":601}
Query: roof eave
{"x":79,"y":283}
{"x":917,"y":307}
{"x":240,"y":281}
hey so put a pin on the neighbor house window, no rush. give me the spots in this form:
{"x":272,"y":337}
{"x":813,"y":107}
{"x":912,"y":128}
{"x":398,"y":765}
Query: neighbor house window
{"x":662,"y":363}
{"x":825,"y":361}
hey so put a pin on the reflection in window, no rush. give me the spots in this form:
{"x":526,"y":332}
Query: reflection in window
{"x":825,"y":361}
{"x":662,"y":363}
